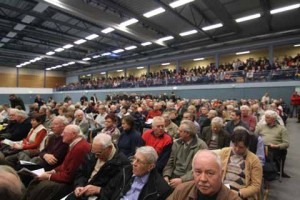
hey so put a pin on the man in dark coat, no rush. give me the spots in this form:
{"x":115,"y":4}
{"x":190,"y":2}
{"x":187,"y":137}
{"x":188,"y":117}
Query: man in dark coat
{"x":16,"y":101}
{"x":139,"y":181}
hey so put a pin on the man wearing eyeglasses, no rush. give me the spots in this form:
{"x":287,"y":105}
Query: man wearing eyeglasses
{"x":99,"y":167}
{"x":139,"y":181}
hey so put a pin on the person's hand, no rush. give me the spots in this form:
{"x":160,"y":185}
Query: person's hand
{"x":175,"y":182}
{"x":50,"y":159}
{"x":79,"y":191}
{"x":16,"y":146}
{"x":44,"y":176}
{"x":90,"y":190}
{"x":274,"y":146}
{"x":167,"y":179}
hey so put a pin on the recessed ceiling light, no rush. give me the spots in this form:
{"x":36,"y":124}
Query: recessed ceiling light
{"x":107,"y":30}
{"x":206,"y":28}
{"x":50,"y":53}
{"x":188,"y":33}
{"x":19,"y":27}
{"x":86,"y":59}
{"x":130,"y":47}
{"x":59,"y":49}
{"x":242,"y":52}
{"x":165,"y":38}
{"x":11,"y":34}
{"x":129,"y":22}
{"x":154,"y":12}
{"x":178,"y":3}
{"x":5,"y":40}
{"x":165,"y":63}
{"x":91,"y":37}
{"x":286,"y":8}
{"x":197,"y":59}
{"x":247,"y":18}
{"x":68,"y":46}
{"x":118,"y":51}
{"x":103,"y":73}
{"x":41,"y":7}
{"x":80,"y":41}
{"x":146,"y":43}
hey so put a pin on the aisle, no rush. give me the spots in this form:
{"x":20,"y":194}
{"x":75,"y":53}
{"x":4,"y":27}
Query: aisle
{"x":289,"y":188}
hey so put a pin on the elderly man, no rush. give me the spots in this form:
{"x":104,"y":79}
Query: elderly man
{"x":207,"y":183}
{"x":248,"y":118}
{"x":215,"y":136}
{"x":274,"y":136}
{"x":11,"y":187}
{"x":139,"y":181}
{"x":57,"y":183}
{"x":160,"y":141}
{"x":179,"y":166}
{"x":210,"y":115}
{"x":170,"y":127}
{"x":241,"y":168}
{"x":81,"y":121}
{"x":99,"y":167}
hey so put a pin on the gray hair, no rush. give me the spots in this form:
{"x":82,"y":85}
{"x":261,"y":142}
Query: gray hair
{"x":244,"y":107}
{"x":158,"y":119}
{"x":215,"y":155}
{"x":239,"y":128}
{"x":21,"y":113}
{"x":63,"y":119}
{"x":77,"y":112}
{"x":271,"y":113}
{"x":103,"y":140}
{"x":189,"y":126}
{"x":166,"y":115}
{"x":149,"y":153}
{"x":214,"y":112}
{"x":75,"y":129}
{"x":217,"y":120}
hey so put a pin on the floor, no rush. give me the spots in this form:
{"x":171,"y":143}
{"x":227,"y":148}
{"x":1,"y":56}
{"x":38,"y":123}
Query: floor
{"x":289,"y":188}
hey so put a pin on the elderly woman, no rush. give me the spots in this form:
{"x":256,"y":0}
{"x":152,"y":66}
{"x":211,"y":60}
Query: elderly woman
{"x":215,"y":136}
{"x":110,"y":128}
{"x":81,"y":121}
{"x":130,"y":138}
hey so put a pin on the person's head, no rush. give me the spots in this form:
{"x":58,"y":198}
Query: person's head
{"x":70,"y":133}
{"x":62,"y":110}
{"x":245,"y":110}
{"x":235,"y":115}
{"x":158,"y":126}
{"x":12,"y":97}
{"x":127,"y":122}
{"x":188,"y":116}
{"x":110,"y":120}
{"x":58,"y":124}
{"x":101,"y":109}
{"x":37,"y":119}
{"x":21,"y":115}
{"x":240,"y":140}
{"x":207,"y":172}
{"x":192,"y":109}
{"x":211,"y":114}
{"x":11,"y":186}
{"x":270,"y":117}
{"x":144,"y":160}
{"x":204,"y":110}
{"x":166,"y":116}
{"x":216,"y":124}
{"x":187,"y":130}
{"x":79,"y":115}
{"x":12,"y":114}
{"x":102,"y":146}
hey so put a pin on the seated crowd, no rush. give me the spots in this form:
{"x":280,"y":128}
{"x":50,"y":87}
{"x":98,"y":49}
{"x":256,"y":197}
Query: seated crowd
{"x":237,"y":71}
{"x":141,"y":147}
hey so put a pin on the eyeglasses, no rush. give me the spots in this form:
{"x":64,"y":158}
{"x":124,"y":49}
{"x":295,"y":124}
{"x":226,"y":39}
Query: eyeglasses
{"x":134,"y":159}
{"x":99,"y":152}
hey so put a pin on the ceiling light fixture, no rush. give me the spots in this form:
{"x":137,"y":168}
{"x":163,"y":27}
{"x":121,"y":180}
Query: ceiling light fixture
{"x":154,"y":12}
{"x":19,"y":27}
{"x":118,"y":51}
{"x":297,"y":45}
{"x":106,"y":54}
{"x":146,"y":43}
{"x":68,"y":46}
{"x":165,"y":64}
{"x":206,"y":28}
{"x":103,"y":73}
{"x":188,"y":33}
{"x":86,"y":59}
{"x":165,"y":38}
{"x":96,"y":56}
{"x":71,"y":63}
{"x":11,"y":34}
{"x":178,"y":3}
{"x":59,"y":49}
{"x":80,"y":41}
{"x":107,"y":30}
{"x":119,"y":70}
{"x":247,"y":18}
{"x":286,"y":8}
{"x":1,"y":44}
{"x":50,"y":53}
{"x":5,"y":40}
{"x":130,"y":47}
{"x":197,"y":59}
{"x":28,"y":19}
{"x":242,"y":52}
{"x":91,"y":37}
{"x":140,"y":67}
{"x":48,"y":69}
{"x":129,"y":22}
{"x":66,"y":64}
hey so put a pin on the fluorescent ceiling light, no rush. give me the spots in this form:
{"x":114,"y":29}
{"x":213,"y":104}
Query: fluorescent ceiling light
{"x":38,"y":58}
{"x":178,"y":3}
{"x":254,"y":16}
{"x":58,"y":66}
{"x":28,"y":19}
{"x":19,"y":66}
{"x":96,"y":56}
{"x":243,"y":52}
{"x":19,"y":27}
{"x":154,"y":12}
{"x":165,"y":38}
{"x":197,"y":59}
{"x":91,"y":37}
{"x":50,"y":53}
{"x":119,"y":70}
{"x":26,"y":63}
{"x":68,"y":46}
{"x":48,"y":69}
{"x":129,"y":22}
{"x":140,"y":67}
{"x":297,"y":45}
{"x":130,"y":47}
{"x":5,"y":40}
{"x":32,"y":61}
{"x":1,"y":44}
{"x":71,"y":63}
{"x":103,"y":73}
{"x":188,"y":33}
{"x":206,"y":28}
{"x":59,"y":49}
{"x":286,"y":8}
{"x":107,"y":30}
{"x":118,"y":51}
{"x":11,"y":34}
{"x":66,"y":64}
{"x":80,"y":41}
{"x":146,"y":43}
{"x":40,"y":7}
{"x":85,"y":59}
{"x":106,"y":54}
{"x":165,"y":63}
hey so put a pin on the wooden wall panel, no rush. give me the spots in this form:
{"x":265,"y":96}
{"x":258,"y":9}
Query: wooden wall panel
{"x":8,"y":80}
{"x":52,"y":82}
{"x":32,"y":81}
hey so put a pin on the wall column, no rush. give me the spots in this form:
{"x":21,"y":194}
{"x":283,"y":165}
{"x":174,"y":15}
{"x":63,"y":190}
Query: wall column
{"x":271,"y":54}
{"x":148,"y":69}
{"x":177,"y":66}
{"x":17,"y":79}
{"x":217,"y":58}
{"x":45,"y":75}
{"x":125,"y":72}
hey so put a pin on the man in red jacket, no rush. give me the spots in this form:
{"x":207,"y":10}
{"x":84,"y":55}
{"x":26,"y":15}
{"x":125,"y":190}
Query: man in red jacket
{"x":295,"y":102}
{"x":57,"y":183}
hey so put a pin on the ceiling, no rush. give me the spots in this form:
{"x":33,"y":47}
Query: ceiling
{"x":31,"y":28}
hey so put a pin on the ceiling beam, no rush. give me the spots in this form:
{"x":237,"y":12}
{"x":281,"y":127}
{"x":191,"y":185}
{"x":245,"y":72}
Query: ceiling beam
{"x":266,"y":7}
